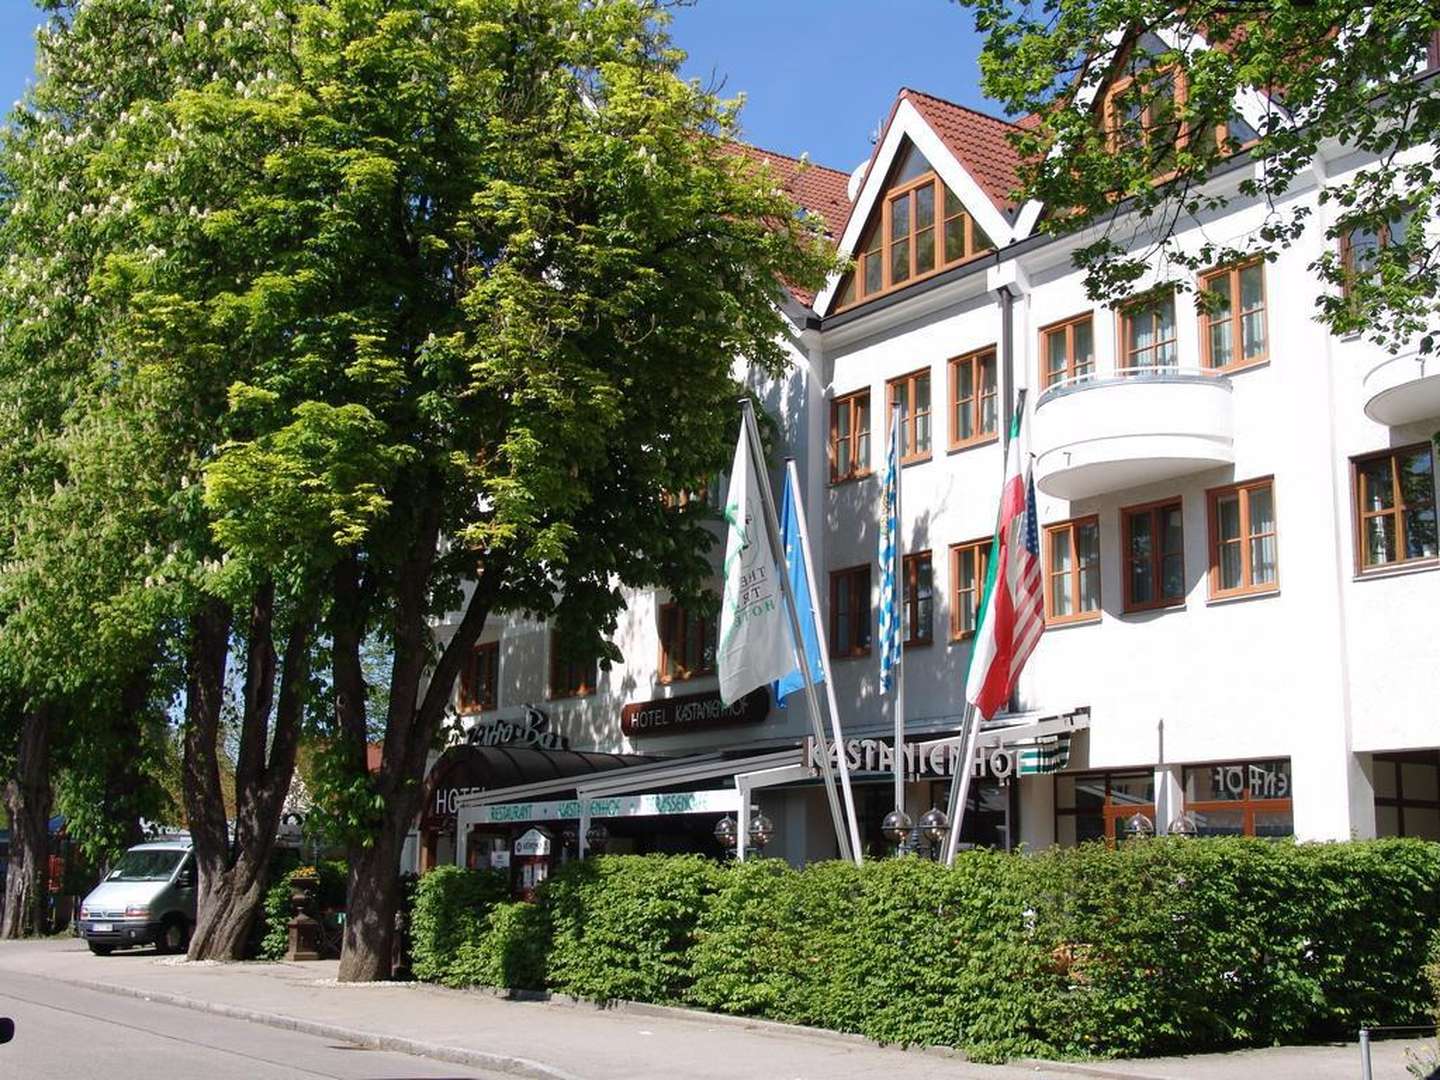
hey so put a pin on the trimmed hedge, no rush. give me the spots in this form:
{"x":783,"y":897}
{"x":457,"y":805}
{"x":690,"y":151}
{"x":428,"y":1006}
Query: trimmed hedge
{"x":1167,"y":946}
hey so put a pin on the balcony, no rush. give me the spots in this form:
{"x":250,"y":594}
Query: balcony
{"x":1102,"y":434}
{"x":1403,"y":389}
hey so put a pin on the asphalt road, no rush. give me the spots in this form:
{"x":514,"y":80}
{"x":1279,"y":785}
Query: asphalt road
{"x":66,"y":1033}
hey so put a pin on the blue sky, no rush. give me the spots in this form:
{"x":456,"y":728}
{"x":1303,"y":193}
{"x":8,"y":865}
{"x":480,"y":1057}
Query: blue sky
{"x":819,"y":74}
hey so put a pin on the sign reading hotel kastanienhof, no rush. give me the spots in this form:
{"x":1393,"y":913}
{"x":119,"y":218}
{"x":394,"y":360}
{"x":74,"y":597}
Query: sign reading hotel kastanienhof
{"x":693,"y":712}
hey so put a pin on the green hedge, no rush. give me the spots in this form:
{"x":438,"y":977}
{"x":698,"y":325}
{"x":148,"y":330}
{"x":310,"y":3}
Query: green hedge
{"x":276,"y":911}
{"x":1166,"y":946}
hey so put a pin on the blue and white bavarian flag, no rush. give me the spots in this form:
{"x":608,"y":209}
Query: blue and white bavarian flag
{"x":889,"y":538}
{"x":791,"y":541}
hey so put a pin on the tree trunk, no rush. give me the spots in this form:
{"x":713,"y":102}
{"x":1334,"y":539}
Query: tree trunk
{"x":27,"y":797}
{"x":410,"y":729}
{"x":238,"y":875}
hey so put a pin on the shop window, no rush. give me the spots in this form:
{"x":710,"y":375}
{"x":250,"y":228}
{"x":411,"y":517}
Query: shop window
{"x":1243,"y":539}
{"x":1072,"y":580}
{"x":1154,"y":555}
{"x":992,"y":812}
{"x":850,"y":612}
{"x":849,"y":436}
{"x":1148,"y":336}
{"x":571,"y":677}
{"x":1244,"y":798}
{"x":919,"y":599}
{"x":967,"y":585}
{"x":973,"y":397}
{"x":687,"y":643}
{"x":480,"y":678}
{"x":912,"y":393}
{"x":1233,"y":333}
{"x":1068,"y":350}
{"x":1395,"y":507}
{"x":1096,"y":806}
{"x":918,"y":227}
{"x":1407,"y":794}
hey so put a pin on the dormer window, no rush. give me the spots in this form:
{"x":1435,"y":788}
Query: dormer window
{"x":1144,"y":116}
{"x":919,"y":227}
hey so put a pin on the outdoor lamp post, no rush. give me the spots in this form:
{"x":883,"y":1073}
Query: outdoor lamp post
{"x":761,"y":829}
{"x":727,"y":832}
{"x":596,"y":837}
{"x":1184,"y":825}
{"x":1138,"y":826}
{"x":896,"y":828}
{"x":935,"y":825}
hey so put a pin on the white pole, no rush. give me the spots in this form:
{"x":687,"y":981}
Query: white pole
{"x":960,"y":784}
{"x":772,"y":528}
{"x":896,"y":433}
{"x":820,"y":636}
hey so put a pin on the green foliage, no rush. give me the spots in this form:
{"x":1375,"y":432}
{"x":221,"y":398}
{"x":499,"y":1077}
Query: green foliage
{"x":624,"y":927}
{"x":1307,"y":76}
{"x":450,"y":908}
{"x":276,"y":911}
{"x":1167,"y":946}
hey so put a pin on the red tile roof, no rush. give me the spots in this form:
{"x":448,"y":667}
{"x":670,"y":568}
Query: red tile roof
{"x":979,"y":142}
{"x":816,"y":188}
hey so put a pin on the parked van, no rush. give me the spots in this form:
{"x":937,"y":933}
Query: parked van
{"x":148,"y":898}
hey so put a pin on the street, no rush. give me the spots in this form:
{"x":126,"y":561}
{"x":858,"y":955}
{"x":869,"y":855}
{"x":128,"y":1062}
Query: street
{"x":68,"y":1033}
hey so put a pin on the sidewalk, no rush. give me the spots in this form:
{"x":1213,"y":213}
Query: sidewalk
{"x":567,"y":1041}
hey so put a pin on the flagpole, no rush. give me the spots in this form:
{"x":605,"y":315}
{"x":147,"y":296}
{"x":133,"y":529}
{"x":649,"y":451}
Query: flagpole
{"x":772,"y":529}
{"x":853,"y":818}
{"x":970,"y":724}
{"x":896,"y":433}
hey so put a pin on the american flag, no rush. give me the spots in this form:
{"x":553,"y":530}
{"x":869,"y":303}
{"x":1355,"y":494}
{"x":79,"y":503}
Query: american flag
{"x":889,"y":536}
{"x":1013,"y":614}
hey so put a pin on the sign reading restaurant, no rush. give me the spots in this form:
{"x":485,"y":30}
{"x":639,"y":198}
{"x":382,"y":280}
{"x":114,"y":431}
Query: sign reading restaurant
{"x":693,"y":712}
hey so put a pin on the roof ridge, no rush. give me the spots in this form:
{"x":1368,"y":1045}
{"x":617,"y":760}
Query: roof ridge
{"x":904,"y":90}
{"x":803,"y":159}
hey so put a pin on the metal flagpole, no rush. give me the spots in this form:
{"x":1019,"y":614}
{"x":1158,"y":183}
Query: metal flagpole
{"x":772,"y":529}
{"x":853,"y":817}
{"x":970,"y":725}
{"x":897,"y":433}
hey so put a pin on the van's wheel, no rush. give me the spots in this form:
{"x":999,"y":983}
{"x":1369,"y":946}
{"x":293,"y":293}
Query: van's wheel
{"x":174,"y":936}
{"x":100,"y":950}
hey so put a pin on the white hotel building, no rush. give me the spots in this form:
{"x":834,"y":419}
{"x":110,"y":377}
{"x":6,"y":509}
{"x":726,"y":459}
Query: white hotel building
{"x":1238,"y":534}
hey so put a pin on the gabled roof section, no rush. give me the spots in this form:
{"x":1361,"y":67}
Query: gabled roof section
{"x":817,"y":189}
{"x":970,"y":152}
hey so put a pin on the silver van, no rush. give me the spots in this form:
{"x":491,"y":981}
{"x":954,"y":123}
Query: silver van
{"x":148,"y":898}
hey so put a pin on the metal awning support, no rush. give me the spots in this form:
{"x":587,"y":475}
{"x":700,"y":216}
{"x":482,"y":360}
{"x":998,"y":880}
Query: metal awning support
{"x":760,"y":778}
{"x":685,"y":771}
{"x":520,"y":792}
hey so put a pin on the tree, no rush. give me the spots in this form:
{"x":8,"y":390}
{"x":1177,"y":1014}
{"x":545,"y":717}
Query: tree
{"x":1125,"y":93}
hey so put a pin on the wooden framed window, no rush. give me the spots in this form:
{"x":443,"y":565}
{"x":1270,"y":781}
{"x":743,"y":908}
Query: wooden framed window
{"x":850,"y":612}
{"x":1407,"y":794}
{"x":850,"y":436}
{"x":1244,"y":555}
{"x":1361,"y":244}
{"x":974,"y":415}
{"x":913,"y":394}
{"x":1072,"y":578}
{"x":1154,"y":539}
{"x":1233,"y":333}
{"x":480,"y":678}
{"x":1395,"y":508}
{"x":918,"y":228}
{"x":1147,"y":117}
{"x":967,"y":585}
{"x":1240,"y":798}
{"x":1068,"y":350}
{"x":1148,"y":336}
{"x":687,"y":644}
{"x":570,"y":677}
{"x":1432,"y":51}
{"x":919,"y":625}
{"x":1096,"y":806}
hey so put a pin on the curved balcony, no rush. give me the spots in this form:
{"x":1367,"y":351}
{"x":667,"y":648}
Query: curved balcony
{"x":1101,"y":434}
{"x":1403,"y":389}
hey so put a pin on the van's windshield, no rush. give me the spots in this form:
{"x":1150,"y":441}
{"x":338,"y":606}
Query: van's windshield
{"x":152,"y":865}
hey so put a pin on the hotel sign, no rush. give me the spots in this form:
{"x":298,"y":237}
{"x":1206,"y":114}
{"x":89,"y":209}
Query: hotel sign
{"x":618,"y":806}
{"x":937,"y":761}
{"x":693,"y":712}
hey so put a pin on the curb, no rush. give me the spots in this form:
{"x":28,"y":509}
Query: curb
{"x":1077,"y":1068}
{"x":454,"y":1055}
